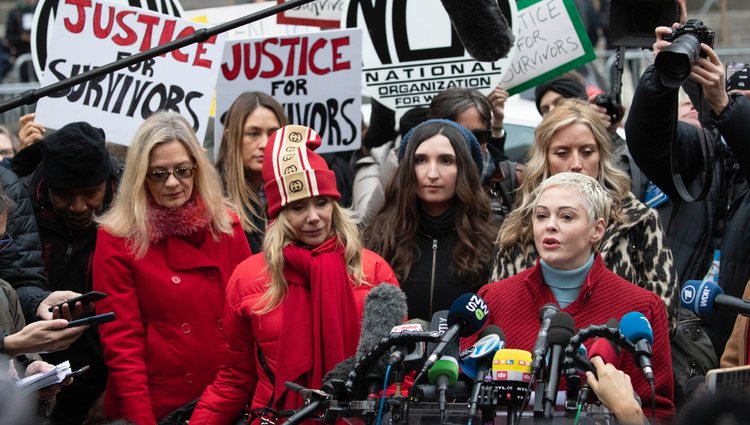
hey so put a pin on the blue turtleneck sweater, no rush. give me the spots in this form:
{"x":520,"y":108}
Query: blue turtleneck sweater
{"x":565,"y":284}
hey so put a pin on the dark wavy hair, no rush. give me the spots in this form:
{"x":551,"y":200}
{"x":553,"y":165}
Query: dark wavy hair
{"x":391,"y":232}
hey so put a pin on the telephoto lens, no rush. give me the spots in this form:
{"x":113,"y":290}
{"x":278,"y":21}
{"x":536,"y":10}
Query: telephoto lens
{"x":674,"y":62}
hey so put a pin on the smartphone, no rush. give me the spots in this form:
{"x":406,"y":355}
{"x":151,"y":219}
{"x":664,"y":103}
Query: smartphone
{"x":78,"y":372}
{"x":88,"y":297}
{"x":735,"y":379}
{"x":738,"y":76}
{"x":92,"y":320}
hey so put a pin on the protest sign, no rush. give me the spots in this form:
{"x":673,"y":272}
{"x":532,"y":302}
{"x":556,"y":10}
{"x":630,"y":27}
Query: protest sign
{"x":265,"y":27}
{"x":44,"y":18}
{"x":89,"y":34}
{"x":411,"y":51}
{"x":316,"y":77}
{"x":320,"y":13}
{"x":552,"y":41}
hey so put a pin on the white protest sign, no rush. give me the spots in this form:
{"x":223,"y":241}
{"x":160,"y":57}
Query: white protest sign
{"x":316,"y":77}
{"x":411,"y":51}
{"x":320,"y":13}
{"x":89,"y":34}
{"x":552,"y":41}
{"x":265,"y":27}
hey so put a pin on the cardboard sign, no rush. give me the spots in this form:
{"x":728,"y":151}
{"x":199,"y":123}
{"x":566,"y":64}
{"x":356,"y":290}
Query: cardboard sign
{"x":411,"y":51}
{"x":316,"y":78}
{"x":265,"y":27}
{"x":319,"y":13}
{"x":552,"y":41}
{"x":89,"y":34}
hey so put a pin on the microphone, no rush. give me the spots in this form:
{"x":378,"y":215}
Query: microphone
{"x":540,"y":346}
{"x":384,"y":308}
{"x":703,"y":297}
{"x":482,"y":28}
{"x":636,"y":328}
{"x":412,"y":352}
{"x":561,"y":329}
{"x":609,"y":353}
{"x":444,"y":373}
{"x":479,"y":361}
{"x":466,"y":316}
{"x":511,"y":376}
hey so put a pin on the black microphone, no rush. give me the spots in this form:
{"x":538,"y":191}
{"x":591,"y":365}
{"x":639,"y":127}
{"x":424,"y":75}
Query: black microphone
{"x":465,"y":317}
{"x":384,"y":308}
{"x":480,"y":359}
{"x":482,"y":28}
{"x":409,"y":352}
{"x":540,"y":346}
{"x":561,"y":329}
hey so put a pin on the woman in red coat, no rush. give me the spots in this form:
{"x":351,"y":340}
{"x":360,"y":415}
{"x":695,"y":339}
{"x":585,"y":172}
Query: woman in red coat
{"x":310,"y":281}
{"x":164,"y":253}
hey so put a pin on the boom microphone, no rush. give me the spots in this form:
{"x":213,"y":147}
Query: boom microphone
{"x":636,"y":328}
{"x":466,"y":316}
{"x":703,"y":297}
{"x":482,"y":28}
{"x":384,"y":308}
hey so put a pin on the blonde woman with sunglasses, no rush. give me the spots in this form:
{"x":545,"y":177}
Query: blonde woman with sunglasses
{"x":164,"y":253}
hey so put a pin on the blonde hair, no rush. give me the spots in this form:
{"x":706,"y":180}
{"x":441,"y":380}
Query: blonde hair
{"x":280,"y":233}
{"x":516,"y":227}
{"x":128,"y":216}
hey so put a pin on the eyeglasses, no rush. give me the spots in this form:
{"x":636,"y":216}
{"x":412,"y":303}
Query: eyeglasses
{"x":5,"y":242}
{"x":181,"y":173}
{"x":483,"y":136}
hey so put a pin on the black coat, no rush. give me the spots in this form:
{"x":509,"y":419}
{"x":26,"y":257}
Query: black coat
{"x":722,"y":220}
{"x":432,"y":285}
{"x":68,"y":260}
{"x":21,"y":263}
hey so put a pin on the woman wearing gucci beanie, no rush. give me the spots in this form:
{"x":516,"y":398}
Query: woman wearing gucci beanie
{"x":436,"y":227}
{"x":310,"y":281}
{"x":164,"y":252}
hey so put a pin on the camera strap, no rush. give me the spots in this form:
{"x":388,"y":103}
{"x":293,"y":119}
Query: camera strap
{"x":707,"y":151}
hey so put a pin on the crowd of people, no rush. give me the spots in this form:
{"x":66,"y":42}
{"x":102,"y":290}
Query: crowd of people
{"x":229,"y":278}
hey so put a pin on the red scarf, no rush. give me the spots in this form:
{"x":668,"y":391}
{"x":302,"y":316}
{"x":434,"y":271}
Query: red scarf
{"x":320,"y":325}
{"x":182,"y":221}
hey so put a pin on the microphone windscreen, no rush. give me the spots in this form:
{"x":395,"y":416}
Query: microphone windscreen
{"x":385,"y":307}
{"x":634,"y":326}
{"x":482,"y":28}
{"x":341,"y":370}
{"x":446,"y":366}
{"x":698,"y":296}
{"x":422,"y":323}
{"x":438,"y":323}
{"x":470,"y":312}
{"x":491,"y":339}
{"x":561,"y":329}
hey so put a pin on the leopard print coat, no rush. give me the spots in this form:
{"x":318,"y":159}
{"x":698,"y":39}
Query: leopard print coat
{"x":636,"y":250}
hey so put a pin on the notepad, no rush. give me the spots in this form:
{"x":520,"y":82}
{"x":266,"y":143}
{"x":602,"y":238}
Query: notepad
{"x":41,"y":380}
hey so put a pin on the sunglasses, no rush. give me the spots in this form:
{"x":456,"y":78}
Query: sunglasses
{"x":181,"y":173}
{"x":483,"y":136}
{"x":5,"y":242}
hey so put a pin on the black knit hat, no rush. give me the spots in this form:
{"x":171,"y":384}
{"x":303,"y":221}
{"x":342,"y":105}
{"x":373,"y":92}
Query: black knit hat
{"x":569,"y":88}
{"x":75,"y":156}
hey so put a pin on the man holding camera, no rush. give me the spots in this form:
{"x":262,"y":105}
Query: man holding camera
{"x":713,"y":230}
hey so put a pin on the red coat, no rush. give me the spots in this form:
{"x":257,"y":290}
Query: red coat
{"x":515,"y":303}
{"x":161,"y":350}
{"x":241,"y":375}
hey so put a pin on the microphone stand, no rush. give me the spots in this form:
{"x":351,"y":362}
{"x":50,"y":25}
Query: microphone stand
{"x":30,"y":97}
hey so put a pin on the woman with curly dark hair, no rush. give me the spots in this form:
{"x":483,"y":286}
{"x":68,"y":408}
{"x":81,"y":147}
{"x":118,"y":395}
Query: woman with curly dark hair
{"x":435,"y":229}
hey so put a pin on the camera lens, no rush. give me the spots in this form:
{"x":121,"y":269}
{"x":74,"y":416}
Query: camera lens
{"x":675,"y":62}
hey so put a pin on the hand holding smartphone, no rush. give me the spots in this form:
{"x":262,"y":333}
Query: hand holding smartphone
{"x":87,"y":298}
{"x":92,"y":320}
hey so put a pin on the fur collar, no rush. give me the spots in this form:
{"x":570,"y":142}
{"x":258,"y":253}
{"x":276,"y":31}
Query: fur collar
{"x":180,"y":222}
